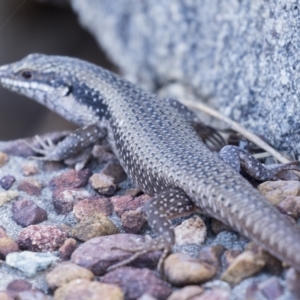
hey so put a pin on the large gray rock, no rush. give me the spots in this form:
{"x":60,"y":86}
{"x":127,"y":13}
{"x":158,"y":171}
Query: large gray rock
{"x":241,"y":56}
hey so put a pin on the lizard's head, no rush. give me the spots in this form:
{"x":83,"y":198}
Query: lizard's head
{"x":54,"y":81}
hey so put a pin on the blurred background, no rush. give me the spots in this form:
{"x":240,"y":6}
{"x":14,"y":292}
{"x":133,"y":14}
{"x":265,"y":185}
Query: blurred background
{"x":33,"y":27}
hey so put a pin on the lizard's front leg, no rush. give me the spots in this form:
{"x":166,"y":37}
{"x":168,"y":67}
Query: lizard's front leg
{"x":238,"y":158}
{"x":159,"y":211}
{"x":70,"y":145}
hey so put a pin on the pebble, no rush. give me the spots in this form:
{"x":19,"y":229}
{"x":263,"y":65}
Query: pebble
{"x":2,"y":232}
{"x":146,"y":296}
{"x":125,"y":203}
{"x":290,"y":206}
{"x":64,"y":273}
{"x":98,"y":254}
{"x":32,"y":295}
{"x":114,"y":170}
{"x":181,"y":269}
{"x":30,"y":168}
{"x":5,"y":296}
{"x":276,"y":191}
{"x":30,"y":186}
{"x":7,"y":181}
{"x":91,"y":206}
{"x":245,"y":265}
{"x":229,"y":256}
{"x":3,"y":158}
{"x":8,"y":196}
{"x":217,"y":226}
{"x":70,"y":179}
{"x":271,"y":288}
{"x":136,"y":282}
{"x":83,"y":289}
{"x":64,"y":199}
{"x":16,"y":286}
{"x":133,"y":221}
{"x":30,"y":262}
{"x":191,"y":231}
{"x":292,"y":282}
{"x":41,"y":238}
{"x":98,"y":225}
{"x":67,"y":248}
{"x":26,"y":212}
{"x":103,"y":184}
{"x":186,"y":293}
{"x":134,"y":192}
{"x":211,"y":255}
{"x":103,"y":154}
{"x":7,"y":245}
{"x":214,"y":294}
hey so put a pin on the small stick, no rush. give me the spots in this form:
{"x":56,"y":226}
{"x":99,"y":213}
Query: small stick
{"x":237,"y":127}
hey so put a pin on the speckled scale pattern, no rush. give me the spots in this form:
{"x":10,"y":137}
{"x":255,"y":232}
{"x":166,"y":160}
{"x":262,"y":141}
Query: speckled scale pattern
{"x":158,"y":149}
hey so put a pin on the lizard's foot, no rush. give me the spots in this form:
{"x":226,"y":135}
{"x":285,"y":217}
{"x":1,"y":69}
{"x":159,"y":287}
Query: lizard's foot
{"x":45,"y":148}
{"x":152,"y":245}
{"x":71,"y":145}
{"x":238,"y":158}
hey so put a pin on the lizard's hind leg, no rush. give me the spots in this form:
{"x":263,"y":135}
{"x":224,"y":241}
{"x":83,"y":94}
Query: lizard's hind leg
{"x":159,"y":211}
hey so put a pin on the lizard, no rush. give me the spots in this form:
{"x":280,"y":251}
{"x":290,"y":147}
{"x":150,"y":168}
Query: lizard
{"x":159,"y":150}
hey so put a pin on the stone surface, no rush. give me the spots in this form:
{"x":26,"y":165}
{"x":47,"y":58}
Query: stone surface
{"x":41,"y":238}
{"x":30,"y":168}
{"x":7,"y":181}
{"x":99,"y":253}
{"x":186,"y":293}
{"x":191,"y":231}
{"x":103,"y":184}
{"x":68,"y":247}
{"x":7,"y":245}
{"x":125,"y":203}
{"x":98,"y":225}
{"x":240,"y":56}
{"x":82,"y":289}
{"x":290,"y":206}
{"x":3,"y":159}
{"x":8,"y":196}
{"x":114,"y":170}
{"x":26,"y":212}
{"x":276,"y":191}
{"x":246,"y":264}
{"x":64,"y":199}
{"x":91,"y":206}
{"x":211,"y":255}
{"x":271,"y":288}
{"x":133,"y":221}
{"x":135,"y":282}
{"x":65,"y":273}
{"x":30,"y":262}
{"x":181,"y":269}
{"x":30,"y":186}
{"x":70,"y":179}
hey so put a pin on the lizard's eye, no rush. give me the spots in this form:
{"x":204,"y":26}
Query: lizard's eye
{"x":26,"y":74}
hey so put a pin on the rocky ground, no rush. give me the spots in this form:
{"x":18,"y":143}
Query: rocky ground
{"x":60,"y":227}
